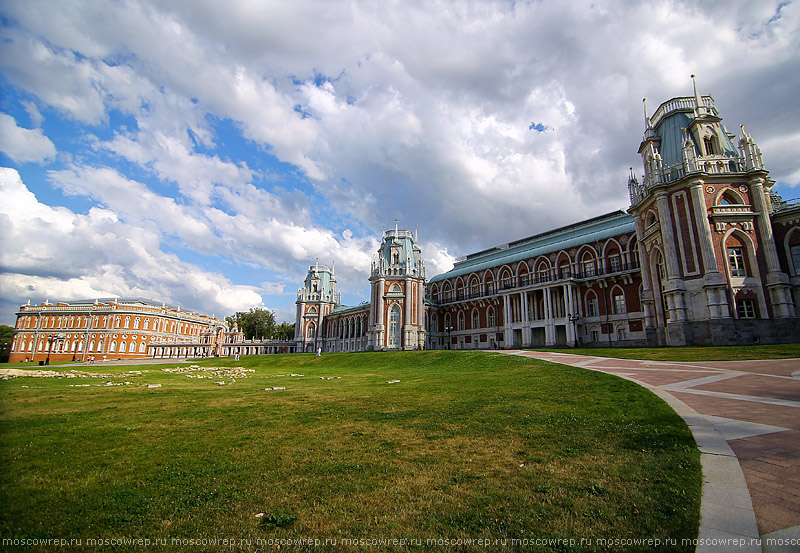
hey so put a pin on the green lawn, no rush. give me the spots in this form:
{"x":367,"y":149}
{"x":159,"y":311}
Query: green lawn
{"x":694,"y":353}
{"x":464,"y":446}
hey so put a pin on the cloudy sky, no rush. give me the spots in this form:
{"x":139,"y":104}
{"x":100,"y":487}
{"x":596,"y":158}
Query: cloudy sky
{"x":204,"y":153}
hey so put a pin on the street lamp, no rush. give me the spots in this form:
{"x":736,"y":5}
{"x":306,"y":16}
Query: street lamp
{"x":448,"y":329}
{"x":58,"y":339}
{"x":574,"y":320}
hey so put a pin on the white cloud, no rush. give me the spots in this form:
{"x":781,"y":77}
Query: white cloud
{"x":77,"y":256}
{"x":24,"y":145}
{"x":382,"y":110}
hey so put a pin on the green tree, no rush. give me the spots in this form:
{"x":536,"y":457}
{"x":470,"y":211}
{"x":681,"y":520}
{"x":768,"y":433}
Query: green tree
{"x":6,"y":335}
{"x":255,"y":324}
{"x":285,"y":331}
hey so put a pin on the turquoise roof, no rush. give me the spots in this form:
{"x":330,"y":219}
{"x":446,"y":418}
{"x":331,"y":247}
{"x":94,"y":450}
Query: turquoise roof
{"x":577,"y":234}
{"x":323,"y":273}
{"x":406,"y":241}
{"x":670,"y":131}
{"x":343,"y":310}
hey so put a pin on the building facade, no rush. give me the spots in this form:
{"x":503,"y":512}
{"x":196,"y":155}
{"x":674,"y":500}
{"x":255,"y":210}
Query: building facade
{"x":393,"y":319}
{"x":110,"y":328}
{"x":706,"y":254}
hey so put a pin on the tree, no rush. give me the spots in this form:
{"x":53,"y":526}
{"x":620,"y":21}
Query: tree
{"x":256,"y":324}
{"x":6,"y":335}
{"x":285,"y":331}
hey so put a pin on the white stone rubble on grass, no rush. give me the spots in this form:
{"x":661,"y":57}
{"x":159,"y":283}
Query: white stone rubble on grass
{"x":154,"y":385}
{"x":330,"y":377}
{"x":392,"y":381}
{"x":231,"y":373}
{"x":6,"y":374}
{"x":274,"y":388}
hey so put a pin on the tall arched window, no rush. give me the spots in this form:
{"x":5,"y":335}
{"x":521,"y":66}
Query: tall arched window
{"x":394,"y":327}
{"x":475,"y":319}
{"x":490,"y":317}
{"x":461,"y":320}
{"x":618,"y":301}
{"x":592,"y":309}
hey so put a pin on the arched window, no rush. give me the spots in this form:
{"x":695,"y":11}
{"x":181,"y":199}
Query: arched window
{"x":113,"y":347}
{"x":474,"y":288}
{"x":142,"y":347}
{"x":489,"y":285}
{"x":505,"y":279}
{"x":618,"y":300}
{"x":123,"y":347}
{"x":542,"y":272}
{"x":588,"y":265}
{"x":461,"y":322}
{"x":312,"y":331}
{"x":475,"y":319}
{"x":490,"y":317}
{"x":434,"y":323}
{"x":710,"y":144}
{"x":736,"y":261}
{"x":394,"y":327}
{"x":592,"y":309}
{"x":136,"y":322}
{"x":147,"y":324}
{"x":447,"y":321}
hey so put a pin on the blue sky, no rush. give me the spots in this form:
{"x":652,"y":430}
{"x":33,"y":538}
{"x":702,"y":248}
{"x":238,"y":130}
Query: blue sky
{"x":205,"y":153}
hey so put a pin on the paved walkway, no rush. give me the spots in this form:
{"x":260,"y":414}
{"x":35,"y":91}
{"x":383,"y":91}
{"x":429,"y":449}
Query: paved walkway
{"x":745,"y":416}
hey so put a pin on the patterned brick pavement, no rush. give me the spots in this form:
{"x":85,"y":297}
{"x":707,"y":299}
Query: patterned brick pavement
{"x":754,"y":405}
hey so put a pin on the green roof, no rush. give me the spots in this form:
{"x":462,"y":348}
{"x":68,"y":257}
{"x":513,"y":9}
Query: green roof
{"x":345,"y":309}
{"x":577,"y":234}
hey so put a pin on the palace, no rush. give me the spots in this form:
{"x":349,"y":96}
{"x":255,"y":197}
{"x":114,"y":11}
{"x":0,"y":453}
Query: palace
{"x":706,"y":254}
{"x":114,"y":328}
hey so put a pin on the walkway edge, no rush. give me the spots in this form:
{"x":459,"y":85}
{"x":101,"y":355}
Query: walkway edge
{"x":726,"y":510}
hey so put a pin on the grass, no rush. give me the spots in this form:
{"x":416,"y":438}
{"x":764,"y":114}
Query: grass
{"x":465,"y":446}
{"x":692,"y":353}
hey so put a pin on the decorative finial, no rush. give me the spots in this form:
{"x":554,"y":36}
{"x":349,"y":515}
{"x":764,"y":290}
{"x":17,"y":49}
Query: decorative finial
{"x":697,"y":99}
{"x":395,"y":227}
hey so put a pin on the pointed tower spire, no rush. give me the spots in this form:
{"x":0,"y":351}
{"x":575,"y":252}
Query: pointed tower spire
{"x":700,"y":107}
{"x":395,"y":227}
{"x":416,"y":234}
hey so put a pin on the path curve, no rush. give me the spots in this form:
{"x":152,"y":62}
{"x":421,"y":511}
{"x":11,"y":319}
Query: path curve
{"x":745,"y":417}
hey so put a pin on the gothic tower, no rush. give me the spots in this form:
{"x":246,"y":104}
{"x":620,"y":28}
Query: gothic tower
{"x":397,"y":284}
{"x":315,"y":299}
{"x":710,"y":269}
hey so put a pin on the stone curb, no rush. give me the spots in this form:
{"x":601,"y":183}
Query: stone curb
{"x":727,"y":519}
